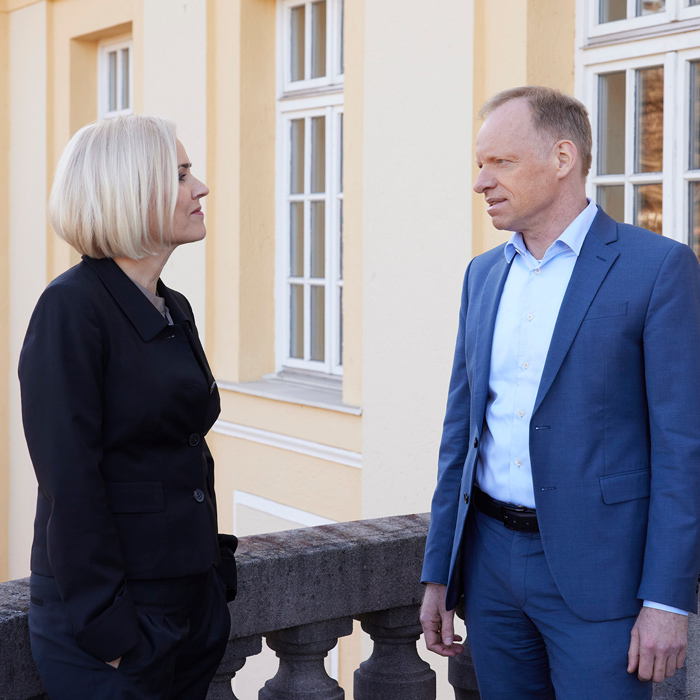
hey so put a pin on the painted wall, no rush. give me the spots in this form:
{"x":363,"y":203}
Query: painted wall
{"x":27,"y":244}
{"x":415,"y":239}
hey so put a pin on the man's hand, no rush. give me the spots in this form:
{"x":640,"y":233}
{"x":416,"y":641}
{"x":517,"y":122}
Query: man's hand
{"x":115,"y":663}
{"x":438,"y":623}
{"x":658,"y":645}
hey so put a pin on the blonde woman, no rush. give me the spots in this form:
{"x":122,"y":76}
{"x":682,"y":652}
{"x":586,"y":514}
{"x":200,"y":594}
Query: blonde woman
{"x":129,"y":579}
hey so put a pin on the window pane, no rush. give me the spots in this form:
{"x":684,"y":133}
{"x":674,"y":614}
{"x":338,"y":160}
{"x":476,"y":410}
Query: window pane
{"x":693,"y":2}
{"x":340,"y":327}
{"x":112,"y":80}
{"x":318,"y":324}
{"x":612,"y":199}
{"x":694,"y":159}
{"x":694,"y":215}
{"x":297,"y":136}
{"x":296,"y":238}
{"x":611,"y":123}
{"x":650,"y":7}
{"x":318,"y":154}
{"x":649,"y":150}
{"x":296,"y":321}
{"x":647,"y":207}
{"x":318,"y":29}
{"x":125,"y":102}
{"x":612,"y":10}
{"x":318,"y":239}
{"x":296,"y":59}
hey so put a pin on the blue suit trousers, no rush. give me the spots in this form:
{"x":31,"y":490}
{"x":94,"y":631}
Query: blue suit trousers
{"x":525,"y":641}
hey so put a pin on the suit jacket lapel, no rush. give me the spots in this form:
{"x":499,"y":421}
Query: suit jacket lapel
{"x":490,"y":299}
{"x":593,"y":264}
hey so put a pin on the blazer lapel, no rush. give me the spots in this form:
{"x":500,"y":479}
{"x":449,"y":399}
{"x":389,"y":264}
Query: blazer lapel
{"x":593,"y":264}
{"x":490,"y":299}
{"x":145,"y":317}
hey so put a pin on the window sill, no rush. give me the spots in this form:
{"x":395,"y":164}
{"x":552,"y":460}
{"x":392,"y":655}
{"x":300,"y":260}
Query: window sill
{"x":292,"y":386}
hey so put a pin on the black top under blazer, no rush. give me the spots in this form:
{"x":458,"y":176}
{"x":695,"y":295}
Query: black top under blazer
{"x":116,"y":404}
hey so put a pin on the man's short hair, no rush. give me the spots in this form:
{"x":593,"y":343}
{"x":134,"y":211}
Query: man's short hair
{"x":116,"y":186}
{"x":554,"y":113}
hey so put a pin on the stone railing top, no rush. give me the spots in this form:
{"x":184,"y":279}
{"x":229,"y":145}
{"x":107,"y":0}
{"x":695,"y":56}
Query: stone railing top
{"x":319,"y":573}
{"x":286,"y":579}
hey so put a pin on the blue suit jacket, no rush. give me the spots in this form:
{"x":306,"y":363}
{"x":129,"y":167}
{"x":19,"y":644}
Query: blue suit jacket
{"x":615,"y":430}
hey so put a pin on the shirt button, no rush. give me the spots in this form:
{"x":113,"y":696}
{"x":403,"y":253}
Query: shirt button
{"x":194,"y":440}
{"x":530,"y":317}
{"x":526,"y":365}
{"x":198,"y":495}
{"x":537,"y":271}
{"x":518,"y":463}
{"x":521,"y":413}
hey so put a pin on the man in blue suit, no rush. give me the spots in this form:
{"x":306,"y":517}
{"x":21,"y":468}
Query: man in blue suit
{"x":567,"y":507}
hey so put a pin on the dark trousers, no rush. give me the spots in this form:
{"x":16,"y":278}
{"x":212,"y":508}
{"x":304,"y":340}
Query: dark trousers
{"x":184,"y":625}
{"x":525,"y":641}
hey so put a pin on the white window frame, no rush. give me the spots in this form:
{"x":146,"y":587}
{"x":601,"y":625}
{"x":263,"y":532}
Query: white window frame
{"x":334,"y":78}
{"x":306,"y":99}
{"x":674,"y":54}
{"x":674,"y":12}
{"x":104,"y":49}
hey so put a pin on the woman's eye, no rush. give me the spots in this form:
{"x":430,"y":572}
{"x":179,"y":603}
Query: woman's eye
{"x":181,"y":177}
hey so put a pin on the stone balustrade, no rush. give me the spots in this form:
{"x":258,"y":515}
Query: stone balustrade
{"x":300,"y":590}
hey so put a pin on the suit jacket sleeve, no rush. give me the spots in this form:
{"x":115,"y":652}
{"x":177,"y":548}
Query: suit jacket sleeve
{"x":61,"y":382}
{"x":671,"y":345}
{"x":453,"y":451}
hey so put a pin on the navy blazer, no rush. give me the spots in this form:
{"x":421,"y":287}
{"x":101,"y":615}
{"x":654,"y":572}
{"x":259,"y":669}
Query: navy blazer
{"x":115,"y":405}
{"x":614,"y":434}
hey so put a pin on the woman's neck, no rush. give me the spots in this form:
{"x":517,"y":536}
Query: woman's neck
{"x":145,"y":271}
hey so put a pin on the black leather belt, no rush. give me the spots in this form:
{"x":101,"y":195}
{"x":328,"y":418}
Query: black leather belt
{"x":513,"y":517}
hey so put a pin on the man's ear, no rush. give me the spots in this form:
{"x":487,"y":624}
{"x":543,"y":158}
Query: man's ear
{"x":567,"y":157}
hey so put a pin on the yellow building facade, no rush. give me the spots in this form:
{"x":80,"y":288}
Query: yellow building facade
{"x":337,"y":141}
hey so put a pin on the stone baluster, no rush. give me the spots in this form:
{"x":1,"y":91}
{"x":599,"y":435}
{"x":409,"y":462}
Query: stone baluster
{"x":237,"y":651}
{"x":301,"y":651}
{"x":394,"y":671}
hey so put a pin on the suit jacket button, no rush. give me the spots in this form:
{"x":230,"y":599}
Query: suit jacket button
{"x":466,"y":499}
{"x":198,"y":495}
{"x":194,"y":440}
{"x":476,"y":442}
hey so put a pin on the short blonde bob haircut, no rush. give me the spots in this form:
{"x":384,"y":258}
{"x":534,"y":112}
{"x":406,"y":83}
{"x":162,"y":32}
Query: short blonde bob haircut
{"x":116,"y":186}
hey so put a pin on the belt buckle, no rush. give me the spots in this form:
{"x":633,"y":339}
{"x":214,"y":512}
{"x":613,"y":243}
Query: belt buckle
{"x":505,"y":512}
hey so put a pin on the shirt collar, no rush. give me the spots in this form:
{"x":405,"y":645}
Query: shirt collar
{"x":572,"y":237}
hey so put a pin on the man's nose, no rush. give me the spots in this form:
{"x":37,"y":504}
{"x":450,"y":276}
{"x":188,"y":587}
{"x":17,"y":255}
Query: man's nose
{"x":481,"y":184}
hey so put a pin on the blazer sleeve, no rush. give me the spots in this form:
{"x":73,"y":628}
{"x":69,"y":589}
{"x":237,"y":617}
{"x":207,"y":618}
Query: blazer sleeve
{"x":672,"y":375}
{"x":453,"y":452}
{"x":61,"y":379}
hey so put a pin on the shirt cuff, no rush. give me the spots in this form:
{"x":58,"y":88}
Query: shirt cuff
{"x":661,"y":606}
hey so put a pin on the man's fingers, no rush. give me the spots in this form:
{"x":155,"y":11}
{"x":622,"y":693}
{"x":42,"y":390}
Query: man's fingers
{"x":447,"y":627}
{"x":658,"y":644}
{"x":633,"y":653}
{"x":438,"y":623}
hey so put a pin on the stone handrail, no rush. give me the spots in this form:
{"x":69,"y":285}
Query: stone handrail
{"x":301,"y":590}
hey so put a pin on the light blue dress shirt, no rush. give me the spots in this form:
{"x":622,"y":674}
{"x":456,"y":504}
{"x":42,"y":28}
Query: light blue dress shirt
{"x":527,"y":313}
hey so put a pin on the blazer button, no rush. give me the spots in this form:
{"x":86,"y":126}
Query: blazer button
{"x":198,"y":495}
{"x":194,"y":440}
{"x":476,"y":442}
{"x":466,"y":499}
